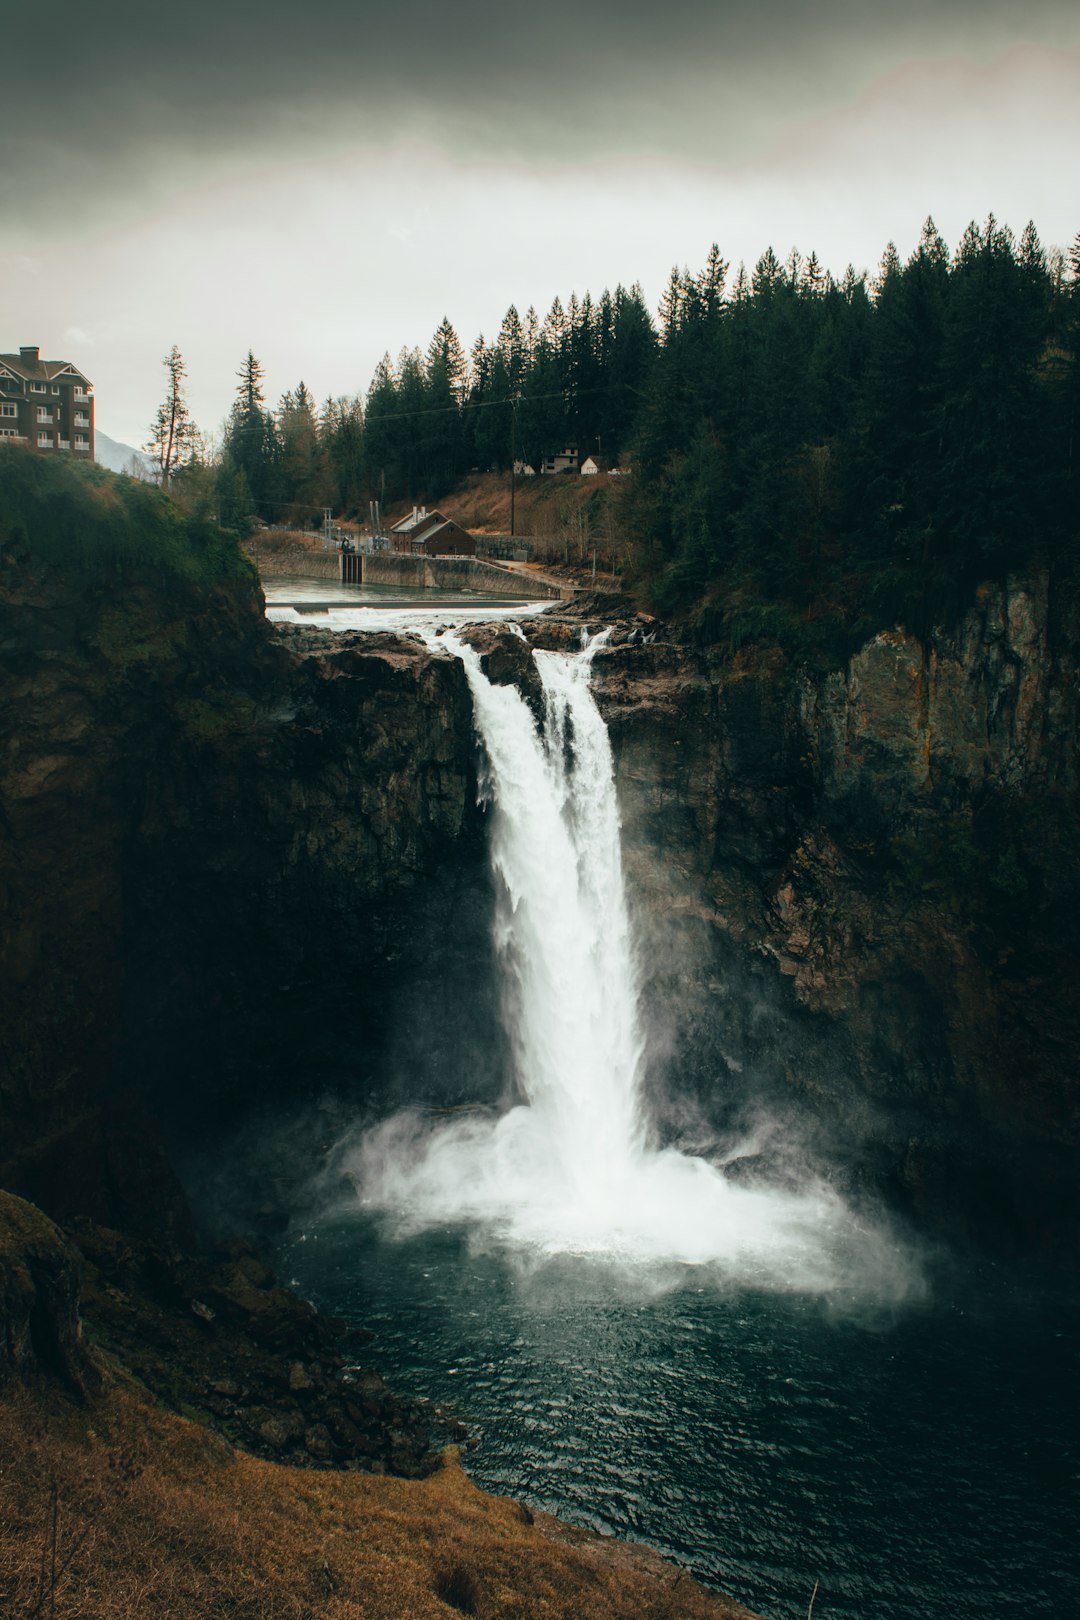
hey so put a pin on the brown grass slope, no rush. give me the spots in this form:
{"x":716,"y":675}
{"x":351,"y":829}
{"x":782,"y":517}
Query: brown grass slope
{"x":119,"y":1510}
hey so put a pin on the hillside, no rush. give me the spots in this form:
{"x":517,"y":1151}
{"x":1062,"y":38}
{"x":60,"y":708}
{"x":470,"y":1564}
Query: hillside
{"x":563,"y":517}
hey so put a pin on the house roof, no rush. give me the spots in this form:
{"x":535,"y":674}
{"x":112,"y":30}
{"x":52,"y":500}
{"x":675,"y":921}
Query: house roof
{"x":41,"y":370}
{"x":416,"y":520}
{"x":447,"y":523}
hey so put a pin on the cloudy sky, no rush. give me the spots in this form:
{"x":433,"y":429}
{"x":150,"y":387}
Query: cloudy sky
{"x":323,"y":181}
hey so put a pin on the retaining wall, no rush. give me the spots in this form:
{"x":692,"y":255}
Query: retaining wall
{"x":452,"y":574}
{"x":294,"y":560}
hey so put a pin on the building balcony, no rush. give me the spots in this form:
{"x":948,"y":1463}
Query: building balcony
{"x":81,"y":420}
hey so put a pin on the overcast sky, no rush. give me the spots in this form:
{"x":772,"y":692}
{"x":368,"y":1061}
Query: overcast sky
{"x":322,"y":182}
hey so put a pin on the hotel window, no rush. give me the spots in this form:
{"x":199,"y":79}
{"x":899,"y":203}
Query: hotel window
{"x":9,"y":410}
{"x":55,"y":388}
{"x":44,"y":414}
{"x":81,"y":442}
{"x":45,"y":441}
{"x":8,"y":433}
{"x":38,"y":388}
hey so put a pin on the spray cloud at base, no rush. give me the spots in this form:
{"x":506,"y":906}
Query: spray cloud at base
{"x":571,"y":1170}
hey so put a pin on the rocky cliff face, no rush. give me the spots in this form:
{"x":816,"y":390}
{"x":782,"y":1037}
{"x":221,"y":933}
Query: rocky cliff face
{"x":878,"y":868}
{"x":223,"y":846}
{"x":208,"y":833}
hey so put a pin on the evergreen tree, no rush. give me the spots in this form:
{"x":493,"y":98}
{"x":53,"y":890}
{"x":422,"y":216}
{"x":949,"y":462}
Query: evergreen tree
{"x":380,"y":429}
{"x":341,"y":439}
{"x":250,"y":438}
{"x":441,"y":448}
{"x":302,"y":482}
{"x":174,"y":438}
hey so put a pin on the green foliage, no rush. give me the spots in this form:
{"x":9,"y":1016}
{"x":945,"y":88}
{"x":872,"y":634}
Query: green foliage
{"x":92,"y":522}
{"x":812,"y":458}
{"x":576,"y":378}
{"x":815,"y":461}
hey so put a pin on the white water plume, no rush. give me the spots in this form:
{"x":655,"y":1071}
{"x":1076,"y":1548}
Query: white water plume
{"x":571,"y":1170}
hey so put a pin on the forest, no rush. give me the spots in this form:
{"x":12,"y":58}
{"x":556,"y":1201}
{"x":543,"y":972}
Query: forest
{"x":807,"y":456}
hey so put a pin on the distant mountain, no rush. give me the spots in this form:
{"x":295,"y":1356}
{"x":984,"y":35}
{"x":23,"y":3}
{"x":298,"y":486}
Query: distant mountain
{"x":119,"y":457}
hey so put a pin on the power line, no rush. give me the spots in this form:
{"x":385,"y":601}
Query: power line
{"x":568,"y":396}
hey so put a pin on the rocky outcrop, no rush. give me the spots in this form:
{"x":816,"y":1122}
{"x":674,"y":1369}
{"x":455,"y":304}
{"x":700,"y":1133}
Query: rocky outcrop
{"x":879,"y":867}
{"x":216,"y":1337}
{"x":221,"y":843}
{"x":208,"y":832}
{"x":506,"y":660}
{"x":40,"y":1330}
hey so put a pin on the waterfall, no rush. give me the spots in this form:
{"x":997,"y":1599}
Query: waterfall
{"x":562,"y":925}
{"x":570,"y":1169}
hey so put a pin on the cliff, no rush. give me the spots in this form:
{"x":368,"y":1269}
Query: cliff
{"x":870,"y":878}
{"x":218,"y":838}
{"x":206,"y":830}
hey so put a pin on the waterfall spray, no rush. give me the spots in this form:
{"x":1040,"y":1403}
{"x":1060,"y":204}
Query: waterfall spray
{"x":570,"y":1170}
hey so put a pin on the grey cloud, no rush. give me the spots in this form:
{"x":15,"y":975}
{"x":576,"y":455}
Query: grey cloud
{"x":152,"y":100}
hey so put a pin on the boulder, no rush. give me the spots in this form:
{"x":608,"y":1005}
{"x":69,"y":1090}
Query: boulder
{"x":40,"y":1331}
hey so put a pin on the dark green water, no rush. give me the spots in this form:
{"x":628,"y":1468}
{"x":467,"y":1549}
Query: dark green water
{"x":916,"y":1464}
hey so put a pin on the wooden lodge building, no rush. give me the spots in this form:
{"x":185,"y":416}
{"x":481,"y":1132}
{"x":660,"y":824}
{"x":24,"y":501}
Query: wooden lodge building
{"x":47,"y":404}
{"x":431,"y":534}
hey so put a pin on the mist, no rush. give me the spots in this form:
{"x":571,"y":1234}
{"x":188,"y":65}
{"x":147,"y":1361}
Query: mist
{"x":573,"y":1169}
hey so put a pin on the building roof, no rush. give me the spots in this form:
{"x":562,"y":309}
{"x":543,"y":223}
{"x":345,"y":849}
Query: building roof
{"x":447,"y":523}
{"x":424,"y":535}
{"x":415,"y":519}
{"x":27,"y":365}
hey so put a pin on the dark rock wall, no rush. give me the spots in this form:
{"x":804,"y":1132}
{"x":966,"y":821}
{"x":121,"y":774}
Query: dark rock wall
{"x":233,"y":859}
{"x":861,"y":888}
{"x":214,"y":840}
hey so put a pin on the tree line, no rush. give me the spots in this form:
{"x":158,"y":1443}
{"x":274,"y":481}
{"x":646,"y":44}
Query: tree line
{"x":845,"y":451}
{"x":575,"y":378}
{"x":799,"y":445}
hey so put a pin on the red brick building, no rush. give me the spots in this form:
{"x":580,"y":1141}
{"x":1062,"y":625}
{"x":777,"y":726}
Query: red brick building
{"x":431,"y":534}
{"x":47,"y":404}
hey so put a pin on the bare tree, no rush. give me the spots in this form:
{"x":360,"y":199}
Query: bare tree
{"x":174,"y":438}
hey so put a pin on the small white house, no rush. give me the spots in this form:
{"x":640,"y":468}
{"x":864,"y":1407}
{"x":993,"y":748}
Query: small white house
{"x":523,"y":470}
{"x":589,"y":468}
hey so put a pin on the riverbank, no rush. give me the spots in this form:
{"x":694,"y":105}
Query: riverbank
{"x":127,"y":1498}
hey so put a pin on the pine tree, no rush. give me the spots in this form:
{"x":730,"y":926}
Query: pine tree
{"x":250,"y":437}
{"x":441,"y":440}
{"x":174,"y":438}
{"x":511,"y":347}
{"x":303,"y":482}
{"x":380,"y":432}
{"x":341,"y":442}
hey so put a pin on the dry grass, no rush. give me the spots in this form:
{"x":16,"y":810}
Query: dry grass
{"x":564,"y":516}
{"x":128,"y":1511}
